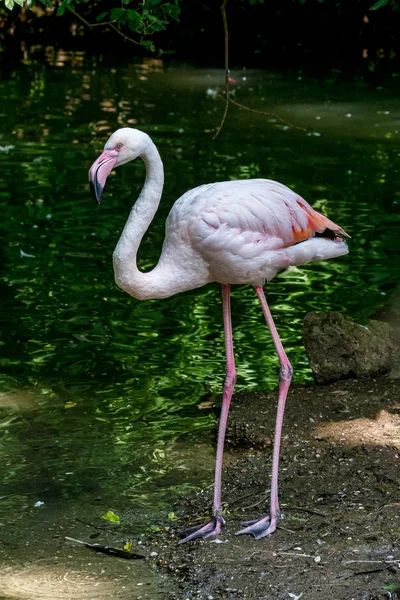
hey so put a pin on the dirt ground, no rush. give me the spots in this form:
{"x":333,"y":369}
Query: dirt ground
{"x":339,"y":536}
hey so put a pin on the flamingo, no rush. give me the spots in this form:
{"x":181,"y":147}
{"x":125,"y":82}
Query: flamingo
{"x":230,"y":232}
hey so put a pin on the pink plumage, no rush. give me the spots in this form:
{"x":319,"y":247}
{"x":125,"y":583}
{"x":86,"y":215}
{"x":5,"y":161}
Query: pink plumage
{"x":247,"y":230}
{"x":232,"y":232}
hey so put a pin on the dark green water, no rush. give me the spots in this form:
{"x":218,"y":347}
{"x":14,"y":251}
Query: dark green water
{"x":98,"y":388}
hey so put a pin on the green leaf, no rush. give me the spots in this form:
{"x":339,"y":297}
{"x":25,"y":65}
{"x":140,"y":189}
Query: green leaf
{"x":9,"y":4}
{"x":134,"y":16}
{"x":111,"y":516}
{"x":101,"y":16}
{"x":156,"y":24}
{"x":19,"y":2}
{"x":117,"y":13}
{"x":379,"y":4}
{"x":172,"y":10}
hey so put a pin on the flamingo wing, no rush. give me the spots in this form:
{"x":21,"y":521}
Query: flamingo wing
{"x":274,"y":213}
{"x":241,"y":228}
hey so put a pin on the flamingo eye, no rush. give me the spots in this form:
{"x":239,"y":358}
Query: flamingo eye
{"x":119,"y":145}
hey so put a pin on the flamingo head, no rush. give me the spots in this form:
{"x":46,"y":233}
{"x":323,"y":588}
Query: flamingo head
{"x":124,"y":145}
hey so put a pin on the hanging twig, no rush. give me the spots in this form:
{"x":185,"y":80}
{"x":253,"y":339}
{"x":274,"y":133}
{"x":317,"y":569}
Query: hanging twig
{"x":228,"y":97}
{"x":227,"y":90}
{"x":268,"y":114}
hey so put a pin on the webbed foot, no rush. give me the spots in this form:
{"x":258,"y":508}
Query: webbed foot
{"x":259,"y":528}
{"x":211,"y":528}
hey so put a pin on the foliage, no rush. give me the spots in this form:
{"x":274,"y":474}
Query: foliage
{"x":379,"y":4}
{"x":10,"y":3}
{"x":143,"y":18}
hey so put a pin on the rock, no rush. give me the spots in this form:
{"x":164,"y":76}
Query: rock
{"x":339,"y":348}
{"x":390,"y":313}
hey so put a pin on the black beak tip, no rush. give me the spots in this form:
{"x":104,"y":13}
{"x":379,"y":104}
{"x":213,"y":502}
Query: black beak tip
{"x":96,"y":191}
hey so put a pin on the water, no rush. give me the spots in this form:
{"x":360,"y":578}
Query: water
{"x":99,"y":391}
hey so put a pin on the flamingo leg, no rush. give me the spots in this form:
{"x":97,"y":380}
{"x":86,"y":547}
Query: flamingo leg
{"x":267,"y":525}
{"x":217,"y":521}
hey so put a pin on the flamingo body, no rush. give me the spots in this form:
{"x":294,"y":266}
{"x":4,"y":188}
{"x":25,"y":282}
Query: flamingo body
{"x":232,"y":232}
{"x":245,"y":231}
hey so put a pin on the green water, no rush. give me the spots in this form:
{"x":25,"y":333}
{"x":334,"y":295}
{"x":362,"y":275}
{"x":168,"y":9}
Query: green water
{"x":98,"y":388}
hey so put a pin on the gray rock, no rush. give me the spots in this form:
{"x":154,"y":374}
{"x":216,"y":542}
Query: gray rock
{"x":390,"y":313}
{"x":339,"y":348}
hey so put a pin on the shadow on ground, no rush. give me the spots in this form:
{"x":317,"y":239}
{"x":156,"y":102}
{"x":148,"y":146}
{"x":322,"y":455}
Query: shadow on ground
{"x":339,"y":536}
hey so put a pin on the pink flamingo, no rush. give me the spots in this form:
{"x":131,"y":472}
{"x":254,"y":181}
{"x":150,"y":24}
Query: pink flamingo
{"x":232,"y":232}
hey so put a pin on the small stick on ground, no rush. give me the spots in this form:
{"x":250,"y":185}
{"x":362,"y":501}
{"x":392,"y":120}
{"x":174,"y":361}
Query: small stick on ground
{"x":308,"y":510}
{"x":368,"y":572}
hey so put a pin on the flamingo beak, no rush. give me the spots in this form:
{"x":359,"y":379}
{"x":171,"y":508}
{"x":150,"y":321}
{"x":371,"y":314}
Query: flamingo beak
{"x":100,"y":170}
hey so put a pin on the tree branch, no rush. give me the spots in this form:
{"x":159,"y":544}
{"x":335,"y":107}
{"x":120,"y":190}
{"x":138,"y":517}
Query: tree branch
{"x":123,"y":35}
{"x":79,"y":17}
{"x":228,"y":97}
{"x":91,"y":25}
{"x":267,"y":113}
{"x":227,"y":91}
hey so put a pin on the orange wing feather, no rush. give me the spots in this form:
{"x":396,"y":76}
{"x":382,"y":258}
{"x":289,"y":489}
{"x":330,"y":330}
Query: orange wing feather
{"x":317,"y":223}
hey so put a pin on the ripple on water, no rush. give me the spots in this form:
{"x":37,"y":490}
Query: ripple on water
{"x":49,"y":580}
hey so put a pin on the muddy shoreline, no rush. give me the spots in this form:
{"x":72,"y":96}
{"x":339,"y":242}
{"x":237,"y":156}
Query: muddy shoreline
{"x":339,"y":536}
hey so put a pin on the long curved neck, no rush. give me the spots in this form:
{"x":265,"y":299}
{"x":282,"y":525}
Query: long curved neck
{"x":124,"y":258}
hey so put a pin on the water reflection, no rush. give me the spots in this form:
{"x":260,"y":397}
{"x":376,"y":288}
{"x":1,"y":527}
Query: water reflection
{"x":113,"y":379}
